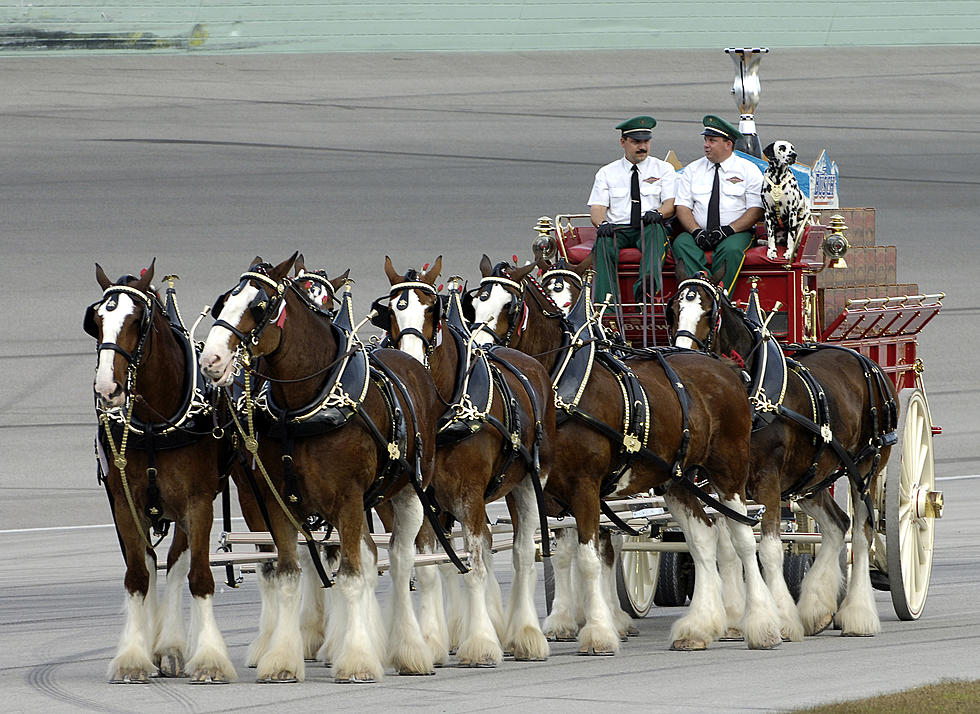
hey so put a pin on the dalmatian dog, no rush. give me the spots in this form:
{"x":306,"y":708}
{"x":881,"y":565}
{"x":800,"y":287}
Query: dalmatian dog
{"x":786,"y":210}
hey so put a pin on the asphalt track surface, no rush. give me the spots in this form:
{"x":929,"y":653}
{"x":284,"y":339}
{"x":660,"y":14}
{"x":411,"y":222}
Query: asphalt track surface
{"x":206,"y":161}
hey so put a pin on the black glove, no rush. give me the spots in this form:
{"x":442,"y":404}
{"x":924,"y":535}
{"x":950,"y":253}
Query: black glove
{"x":652,"y":217}
{"x":604,"y":230}
{"x":720,"y":234}
{"x":703,"y":239}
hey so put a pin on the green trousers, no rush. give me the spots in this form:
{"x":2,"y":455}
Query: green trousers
{"x":730,"y":253}
{"x":605,"y":255}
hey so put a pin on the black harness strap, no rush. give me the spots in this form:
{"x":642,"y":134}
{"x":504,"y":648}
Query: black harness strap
{"x":532,"y":459}
{"x":415,"y":474}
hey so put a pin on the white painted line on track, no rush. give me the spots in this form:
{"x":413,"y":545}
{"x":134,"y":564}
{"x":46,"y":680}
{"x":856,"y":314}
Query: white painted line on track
{"x":76,"y":528}
{"x":956,"y":478}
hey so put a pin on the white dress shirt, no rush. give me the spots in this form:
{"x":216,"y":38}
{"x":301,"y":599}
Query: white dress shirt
{"x":612,"y":187}
{"x":740,"y":183}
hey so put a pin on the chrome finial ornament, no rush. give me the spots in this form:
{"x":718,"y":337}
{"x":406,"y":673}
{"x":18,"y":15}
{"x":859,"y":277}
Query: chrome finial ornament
{"x":747,"y":90}
{"x":835,"y":245}
{"x":545,"y":243}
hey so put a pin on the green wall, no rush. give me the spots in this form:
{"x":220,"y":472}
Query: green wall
{"x":436,"y":25}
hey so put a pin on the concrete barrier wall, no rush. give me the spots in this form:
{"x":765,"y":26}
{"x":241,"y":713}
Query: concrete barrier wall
{"x":439,"y":25}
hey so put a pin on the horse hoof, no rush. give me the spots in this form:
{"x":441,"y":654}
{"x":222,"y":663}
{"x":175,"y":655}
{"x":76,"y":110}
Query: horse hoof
{"x":356,"y":679}
{"x":416,"y":674}
{"x":281,"y":677}
{"x":139,"y":677}
{"x":632,"y":631}
{"x":687,"y":645}
{"x":856,"y":634}
{"x":172,"y":665}
{"x":732,"y":634}
{"x":489,"y":664}
{"x":820,"y":625}
{"x":561,"y":638}
{"x":592,"y":652}
{"x":208,"y":676}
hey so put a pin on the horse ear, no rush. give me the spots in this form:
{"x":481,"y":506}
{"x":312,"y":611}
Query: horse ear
{"x":338,"y":282}
{"x":718,"y":274}
{"x":256,"y":261}
{"x":100,"y":275}
{"x":393,"y":276}
{"x":146,"y":279}
{"x":680,"y":270}
{"x":282,"y":270}
{"x":434,"y":271}
{"x":518,"y":274}
{"x":300,"y":265}
{"x":486,"y":267}
{"x":769,"y":151}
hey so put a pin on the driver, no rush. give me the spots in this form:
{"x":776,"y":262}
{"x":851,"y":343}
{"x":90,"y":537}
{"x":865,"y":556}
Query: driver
{"x":631,"y":198}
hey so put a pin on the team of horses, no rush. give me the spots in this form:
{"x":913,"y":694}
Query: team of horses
{"x":510,"y":390}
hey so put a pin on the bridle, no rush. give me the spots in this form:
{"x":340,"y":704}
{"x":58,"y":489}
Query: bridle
{"x":110,"y":299}
{"x":517,"y":310}
{"x":399,"y":296}
{"x":687,"y":288}
{"x":263,"y":308}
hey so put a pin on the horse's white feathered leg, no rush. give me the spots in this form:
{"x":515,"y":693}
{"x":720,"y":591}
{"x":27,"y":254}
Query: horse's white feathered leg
{"x":171,"y":647}
{"x":480,"y":646}
{"x":599,"y":634}
{"x":408,"y":653}
{"x":761,"y":624}
{"x":313,"y":610}
{"x":209,"y":661}
{"x":820,"y":593}
{"x":562,"y":624}
{"x":705,"y":618}
{"x":268,"y":613}
{"x":771,"y":557}
{"x":732,"y":580}
{"x":359,"y":652}
{"x":858,"y":613}
{"x":523,"y":636}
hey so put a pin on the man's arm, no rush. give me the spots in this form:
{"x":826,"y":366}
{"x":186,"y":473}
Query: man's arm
{"x":747,"y":220}
{"x":598,"y":213}
{"x":667,"y":208}
{"x":686,"y":217}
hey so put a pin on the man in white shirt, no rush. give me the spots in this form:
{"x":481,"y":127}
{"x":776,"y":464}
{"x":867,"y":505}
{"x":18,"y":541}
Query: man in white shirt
{"x":630,"y":200}
{"x":719,"y":201}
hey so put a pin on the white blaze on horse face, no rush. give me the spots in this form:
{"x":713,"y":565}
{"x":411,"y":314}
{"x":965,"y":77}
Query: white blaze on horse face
{"x":106,"y":385}
{"x":689,"y":315}
{"x":411,"y":316}
{"x":489,"y":311}
{"x":218,"y":357}
{"x":561,"y":293}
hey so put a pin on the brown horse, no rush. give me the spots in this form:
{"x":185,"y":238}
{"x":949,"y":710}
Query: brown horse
{"x":496,"y":438}
{"x":686,"y":414}
{"x":337,"y":429}
{"x":159,"y":464}
{"x":835,"y":418}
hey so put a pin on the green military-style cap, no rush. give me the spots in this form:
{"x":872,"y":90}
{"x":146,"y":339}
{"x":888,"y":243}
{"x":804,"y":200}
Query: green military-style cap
{"x":638,"y":127}
{"x":716,"y":126}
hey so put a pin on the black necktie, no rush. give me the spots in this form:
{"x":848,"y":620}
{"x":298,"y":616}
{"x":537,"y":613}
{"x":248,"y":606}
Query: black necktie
{"x":713,"y":217}
{"x":635,"y":198}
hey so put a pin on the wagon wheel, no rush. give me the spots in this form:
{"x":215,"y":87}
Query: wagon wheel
{"x":636,"y":577}
{"x":673,"y":581}
{"x":911,"y":506}
{"x":795,"y":568}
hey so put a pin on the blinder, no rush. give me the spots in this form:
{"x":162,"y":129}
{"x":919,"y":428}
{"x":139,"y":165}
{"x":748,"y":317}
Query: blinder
{"x":88,"y":321}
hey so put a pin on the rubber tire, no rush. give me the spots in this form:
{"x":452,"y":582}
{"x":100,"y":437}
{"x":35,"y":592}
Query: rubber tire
{"x":795,"y":568}
{"x":671,"y":582}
